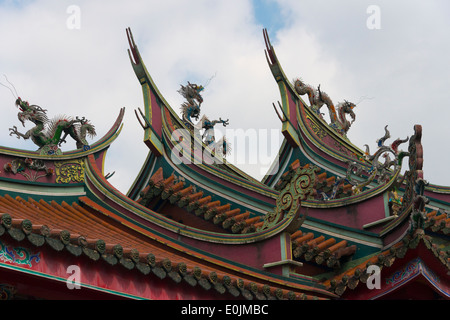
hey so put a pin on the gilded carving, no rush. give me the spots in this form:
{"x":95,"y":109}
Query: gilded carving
{"x":320,"y":133}
{"x":69,"y":171}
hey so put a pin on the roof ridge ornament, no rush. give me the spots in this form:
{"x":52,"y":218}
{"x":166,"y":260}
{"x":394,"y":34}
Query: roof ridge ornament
{"x":378,"y":169}
{"x":46,"y":133}
{"x":191,"y":110}
{"x":318,"y":98}
{"x":415,"y":185}
{"x":300,"y":187}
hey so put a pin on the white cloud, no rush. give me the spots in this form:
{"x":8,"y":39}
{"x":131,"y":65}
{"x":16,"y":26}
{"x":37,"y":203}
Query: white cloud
{"x":402,"y":67}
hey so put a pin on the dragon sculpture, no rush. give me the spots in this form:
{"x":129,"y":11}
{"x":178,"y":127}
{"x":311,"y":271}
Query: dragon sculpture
{"x":318,"y":98}
{"x":382,"y":170}
{"x":191,"y":108}
{"x":46,"y":133}
{"x":208,"y":125}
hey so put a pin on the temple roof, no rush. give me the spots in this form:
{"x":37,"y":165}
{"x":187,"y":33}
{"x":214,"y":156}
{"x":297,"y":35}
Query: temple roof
{"x":82,"y":230}
{"x":309,"y":230}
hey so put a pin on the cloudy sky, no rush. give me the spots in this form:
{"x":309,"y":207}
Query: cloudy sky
{"x":70,"y":57}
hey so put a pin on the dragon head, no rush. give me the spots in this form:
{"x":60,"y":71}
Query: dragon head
{"x":24,"y":108}
{"x":198,"y":88}
{"x":348,"y":105}
{"x":23,"y":105}
{"x":29,"y":112}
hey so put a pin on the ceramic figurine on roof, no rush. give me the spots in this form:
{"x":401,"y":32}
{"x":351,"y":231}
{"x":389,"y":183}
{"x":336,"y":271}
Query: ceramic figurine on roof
{"x":378,"y":170}
{"x":46,"y":133}
{"x":208,"y":127}
{"x":317,"y":98}
{"x":191,"y":109}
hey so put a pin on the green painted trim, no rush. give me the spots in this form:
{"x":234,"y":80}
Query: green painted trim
{"x":441,"y":202}
{"x":438,"y":189}
{"x":221,"y":190}
{"x":288,"y":129}
{"x":381,"y":221}
{"x":174,"y":226}
{"x":365,"y":195}
{"x":386,"y":204}
{"x":62,"y":190}
{"x":256,"y":187}
{"x":344,"y":233}
{"x":330,"y":131}
{"x":143,"y":176}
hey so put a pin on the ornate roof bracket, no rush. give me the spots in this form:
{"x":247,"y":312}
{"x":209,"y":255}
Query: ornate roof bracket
{"x":300,"y":187}
{"x":416,"y":184}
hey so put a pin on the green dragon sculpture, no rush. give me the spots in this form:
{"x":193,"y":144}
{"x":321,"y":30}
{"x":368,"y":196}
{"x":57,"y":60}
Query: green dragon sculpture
{"x":47,"y":134}
{"x":191,"y":109}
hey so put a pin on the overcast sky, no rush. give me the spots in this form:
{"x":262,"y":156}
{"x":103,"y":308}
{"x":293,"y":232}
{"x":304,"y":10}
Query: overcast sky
{"x":70,"y":57}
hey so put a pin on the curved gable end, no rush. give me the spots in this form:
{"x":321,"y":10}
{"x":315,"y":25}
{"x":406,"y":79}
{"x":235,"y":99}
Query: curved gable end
{"x":332,"y":222}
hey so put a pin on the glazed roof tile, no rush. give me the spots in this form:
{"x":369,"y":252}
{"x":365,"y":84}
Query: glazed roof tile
{"x":438,"y":221}
{"x":321,"y":250}
{"x":78,"y":229}
{"x":352,"y":277}
{"x":198,"y":203}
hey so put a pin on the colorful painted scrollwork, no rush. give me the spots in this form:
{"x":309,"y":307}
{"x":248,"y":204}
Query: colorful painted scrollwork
{"x":319,"y":132}
{"x":69,"y":171}
{"x":31,"y":169}
{"x":18,"y":255}
{"x":412,"y":268}
{"x":300,"y":187}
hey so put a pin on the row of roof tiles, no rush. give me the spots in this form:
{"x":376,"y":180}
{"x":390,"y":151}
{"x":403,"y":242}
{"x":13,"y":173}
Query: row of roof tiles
{"x":438,"y":221}
{"x":352,"y":277}
{"x":202,"y":205}
{"x":78,"y":230}
{"x":321,"y":250}
{"x":305,"y":246}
